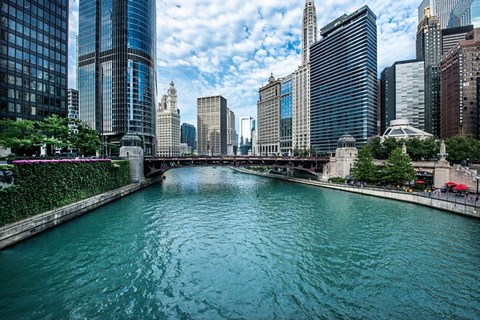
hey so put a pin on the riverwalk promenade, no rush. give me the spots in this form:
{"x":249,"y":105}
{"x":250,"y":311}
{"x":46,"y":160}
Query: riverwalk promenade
{"x":445,"y":201}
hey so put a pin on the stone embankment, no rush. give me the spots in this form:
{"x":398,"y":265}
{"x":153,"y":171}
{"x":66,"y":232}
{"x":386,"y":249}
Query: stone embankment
{"x":461,"y":208}
{"x":18,"y":231}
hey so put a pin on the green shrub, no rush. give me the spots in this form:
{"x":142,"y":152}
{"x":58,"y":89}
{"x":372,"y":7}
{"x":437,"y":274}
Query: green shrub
{"x":337,"y":180}
{"x":45,"y":185}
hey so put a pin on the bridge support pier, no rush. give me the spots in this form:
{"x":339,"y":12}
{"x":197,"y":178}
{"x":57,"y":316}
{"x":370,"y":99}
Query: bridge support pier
{"x":132,"y":151}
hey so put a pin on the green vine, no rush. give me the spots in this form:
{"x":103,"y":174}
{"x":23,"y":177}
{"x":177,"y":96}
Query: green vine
{"x":46,"y":186}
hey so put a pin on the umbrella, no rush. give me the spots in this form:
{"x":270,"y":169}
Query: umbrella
{"x":420,"y":182}
{"x":451,"y":184}
{"x":461,"y":187}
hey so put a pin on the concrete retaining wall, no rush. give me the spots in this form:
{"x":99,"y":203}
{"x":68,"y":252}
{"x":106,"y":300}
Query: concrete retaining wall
{"x":18,"y":231}
{"x":458,"y":208}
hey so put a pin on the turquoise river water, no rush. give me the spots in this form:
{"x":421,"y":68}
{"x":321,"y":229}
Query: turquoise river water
{"x":210,"y":243}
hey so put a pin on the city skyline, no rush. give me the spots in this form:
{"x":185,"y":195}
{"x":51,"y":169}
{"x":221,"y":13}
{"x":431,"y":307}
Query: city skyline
{"x":234,"y":51}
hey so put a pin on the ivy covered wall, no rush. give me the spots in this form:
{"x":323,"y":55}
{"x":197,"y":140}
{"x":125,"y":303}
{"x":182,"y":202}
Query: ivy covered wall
{"x":42,"y":185}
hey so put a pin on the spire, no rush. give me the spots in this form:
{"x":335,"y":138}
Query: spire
{"x":271,"y":79}
{"x":309,"y":29}
{"x":172,"y":91}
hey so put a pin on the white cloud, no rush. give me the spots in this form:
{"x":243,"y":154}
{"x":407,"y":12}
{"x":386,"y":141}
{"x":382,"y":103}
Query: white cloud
{"x":210,"y":47}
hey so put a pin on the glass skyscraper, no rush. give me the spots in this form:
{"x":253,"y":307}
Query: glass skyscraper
{"x":33,"y":58}
{"x":286,"y":115}
{"x":475,"y":13}
{"x":188,"y":135}
{"x":116,"y":68}
{"x":343,"y":80}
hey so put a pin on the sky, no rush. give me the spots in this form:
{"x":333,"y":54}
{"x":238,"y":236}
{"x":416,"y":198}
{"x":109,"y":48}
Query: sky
{"x":230,"y":48}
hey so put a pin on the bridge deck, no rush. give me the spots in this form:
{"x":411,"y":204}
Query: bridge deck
{"x":154,"y":167}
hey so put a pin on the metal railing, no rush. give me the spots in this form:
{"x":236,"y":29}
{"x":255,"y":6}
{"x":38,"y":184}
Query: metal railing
{"x":471,"y":199}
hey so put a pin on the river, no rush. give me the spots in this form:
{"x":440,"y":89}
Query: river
{"x":211,"y":243}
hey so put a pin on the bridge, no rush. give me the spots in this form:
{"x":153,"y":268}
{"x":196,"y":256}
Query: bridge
{"x":155,"y":167}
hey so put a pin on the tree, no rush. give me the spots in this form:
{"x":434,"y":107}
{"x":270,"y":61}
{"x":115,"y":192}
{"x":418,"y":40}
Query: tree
{"x":432,"y":147}
{"x":23,"y":135}
{"x":390,"y":144}
{"x":398,"y":168}
{"x":55,"y":131}
{"x":415,"y":148}
{"x":364,"y":169}
{"x":462,"y":148}
{"x":86,"y":141}
{"x":377,"y":149}
{"x":26,"y":135}
{"x":419,"y":149}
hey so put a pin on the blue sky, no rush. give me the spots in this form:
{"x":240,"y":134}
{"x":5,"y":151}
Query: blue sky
{"x":210,"y":47}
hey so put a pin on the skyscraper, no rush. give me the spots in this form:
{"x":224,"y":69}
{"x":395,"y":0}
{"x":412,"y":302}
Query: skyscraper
{"x":461,"y":14}
{"x":286,"y":115}
{"x":33,"y":59}
{"x":247,"y":124}
{"x":439,"y":8}
{"x":116,"y":68}
{"x":464,"y":13}
{"x":188,"y":135}
{"x":212,"y":125}
{"x":387,"y":87}
{"x":429,"y":50}
{"x":301,"y":81}
{"x":268,"y":108}
{"x":475,"y":12}
{"x":460,"y":83}
{"x":309,"y":28}
{"x":231,"y":133}
{"x":452,"y":36}
{"x":168,"y":125}
{"x":404,"y":93}
{"x":344,"y":80}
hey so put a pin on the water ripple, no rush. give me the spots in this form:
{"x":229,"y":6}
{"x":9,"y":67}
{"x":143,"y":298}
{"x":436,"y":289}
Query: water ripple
{"x":214,"y":244}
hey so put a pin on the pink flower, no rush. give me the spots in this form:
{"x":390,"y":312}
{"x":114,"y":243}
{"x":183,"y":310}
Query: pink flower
{"x":32,"y":162}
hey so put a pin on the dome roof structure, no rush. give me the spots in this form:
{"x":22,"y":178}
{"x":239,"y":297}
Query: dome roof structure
{"x":131,"y":140}
{"x":346,"y":141}
{"x":401,"y":129}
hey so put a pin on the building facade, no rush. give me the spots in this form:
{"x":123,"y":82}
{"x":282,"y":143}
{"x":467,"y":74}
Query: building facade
{"x":460,"y":78}
{"x":212,"y":125}
{"x":232,"y":144}
{"x":33,"y":59}
{"x":464,"y":13}
{"x":429,"y":50}
{"x":387,"y":112}
{"x":247,"y":124}
{"x":461,"y":14}
{"x":475,"y":11}
{"x":344,"y":95}
{"x":301,"y":81}
{"x":452,"y":36}
{"x":404,"y":89}
{"x":439,"y":8}
{"x":116,"y":68}
{"x":72,"y":105}
{"x":168,"y":125}
{"x":188,"y":135}
{"x":268,"y":108}
{"x":379,"y":107}
{"x":286,"y":116}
